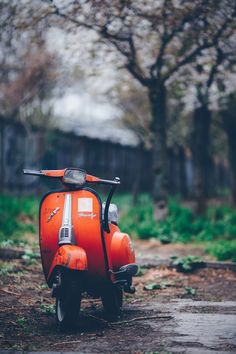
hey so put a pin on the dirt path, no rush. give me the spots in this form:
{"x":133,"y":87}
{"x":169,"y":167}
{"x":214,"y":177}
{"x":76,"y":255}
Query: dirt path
{"x":185,"y":313}
{"x":153,"y":250}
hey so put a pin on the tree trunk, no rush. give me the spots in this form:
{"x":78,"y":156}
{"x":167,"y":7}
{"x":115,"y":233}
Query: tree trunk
{"x":182,"y":173}
{"x":157,"y":99}
{"x":137,"y":176}
{"x":200,"y":149}
{"x":229,"y":124}
{"x":2,"y":165}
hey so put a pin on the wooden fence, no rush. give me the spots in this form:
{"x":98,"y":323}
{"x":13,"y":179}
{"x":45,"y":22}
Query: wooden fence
{"x":20,"y":148}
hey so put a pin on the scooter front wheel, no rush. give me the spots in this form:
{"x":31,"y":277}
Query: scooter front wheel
{"x":68,"y":300}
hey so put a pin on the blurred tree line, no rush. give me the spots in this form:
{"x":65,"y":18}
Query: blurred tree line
{"x":177,"y":65}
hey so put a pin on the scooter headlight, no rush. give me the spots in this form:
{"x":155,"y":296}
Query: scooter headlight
{"x":74,"y":176}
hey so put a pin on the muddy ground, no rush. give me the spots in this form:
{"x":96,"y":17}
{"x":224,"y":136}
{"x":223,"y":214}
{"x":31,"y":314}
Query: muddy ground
{"x":186,"y":313}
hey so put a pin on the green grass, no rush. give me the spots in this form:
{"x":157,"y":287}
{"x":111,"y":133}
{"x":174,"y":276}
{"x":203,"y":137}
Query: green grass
{"x":216,"y":229}
{"x":48,"y":309}
{"x":223,"y":250}
{"x":6,"y":269}
{"x":18,"y":216}
{"x":180,"y":225}
{"x":187,"y":263}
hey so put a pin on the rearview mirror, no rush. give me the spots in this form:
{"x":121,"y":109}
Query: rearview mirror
{"x":74,"y":176}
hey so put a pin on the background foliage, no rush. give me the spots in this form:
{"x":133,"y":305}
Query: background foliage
{"x":216,"y":229}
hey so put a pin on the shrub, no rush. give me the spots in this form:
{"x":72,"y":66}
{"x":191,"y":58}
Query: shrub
{"x":223,"y":250}
{"x":18,"y":216}
{"x":188,"y":263}
{"x":181,"y":225}
{"x":137,"y":220}
{"x":218,"y":225}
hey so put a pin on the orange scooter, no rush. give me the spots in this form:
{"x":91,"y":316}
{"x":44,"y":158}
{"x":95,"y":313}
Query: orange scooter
{"x":82,"y":248}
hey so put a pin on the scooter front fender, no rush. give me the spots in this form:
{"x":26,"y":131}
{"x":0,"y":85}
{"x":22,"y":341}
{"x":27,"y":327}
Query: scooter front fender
{"x":68,"y":256}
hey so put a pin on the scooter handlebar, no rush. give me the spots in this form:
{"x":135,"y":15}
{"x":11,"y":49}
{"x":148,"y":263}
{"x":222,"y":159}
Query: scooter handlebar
{"x":32,"y":172}
{"x":46,"y":173}
{"x":60,"y":174}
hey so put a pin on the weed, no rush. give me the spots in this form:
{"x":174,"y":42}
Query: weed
{"x":188,"y":263}
{"x":166,"y":283}
{"x":190,"y":291}
{"x":141,"y":271}
{"x":158,"y":286}
{"x":12,"y":243}
{"x":6,"y":269}
{"x":44,"y":286}
{"x":29,"y":257}
{"x":18,"y":216}
{"x":22,"y":322}
{"x":152,"y":286}
{"x":223,"y":250}
{"x":48,"y":309}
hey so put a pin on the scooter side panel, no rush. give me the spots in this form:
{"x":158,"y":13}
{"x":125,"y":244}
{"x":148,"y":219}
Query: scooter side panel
{"x":119,"y":248}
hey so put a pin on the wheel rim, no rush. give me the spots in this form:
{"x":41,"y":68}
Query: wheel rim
{"x":60,"y":310}
{"x":67,"y":304}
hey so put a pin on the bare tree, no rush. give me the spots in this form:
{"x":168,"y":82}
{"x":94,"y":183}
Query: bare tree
{"x":202,"y":118}
{"x":26,"y":78}
{"x":25,"y":97}
{"x":154,"y":39}
{"x":27,"y":70}
{"x":208,"y":69}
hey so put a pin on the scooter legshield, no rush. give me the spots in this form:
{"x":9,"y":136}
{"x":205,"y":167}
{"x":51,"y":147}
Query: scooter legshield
{"x":74,"y":215}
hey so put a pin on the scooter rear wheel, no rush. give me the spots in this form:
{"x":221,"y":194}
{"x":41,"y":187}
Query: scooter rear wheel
{"x":68,"y":301}
{"x":112,"y":300}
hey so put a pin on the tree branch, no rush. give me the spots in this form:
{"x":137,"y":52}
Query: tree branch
{"x":132,"y":64}
{"x":164,"y":41}
{"x":58,"y":12}
{"x":214,"y":68}
{"x":114,"y":39}
{"x":206,"y":45}
{"x":167,"y":37}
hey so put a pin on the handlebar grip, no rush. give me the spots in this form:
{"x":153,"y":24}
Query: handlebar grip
{"x":33,"y":172}
{"x":110,"y":182}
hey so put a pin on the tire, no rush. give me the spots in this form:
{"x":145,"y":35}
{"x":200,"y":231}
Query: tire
{"x":112,"y":300}
{"x":68,"y":301}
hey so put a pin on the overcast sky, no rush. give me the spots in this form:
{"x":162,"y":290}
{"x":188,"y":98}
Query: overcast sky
{"x":83,"y":105}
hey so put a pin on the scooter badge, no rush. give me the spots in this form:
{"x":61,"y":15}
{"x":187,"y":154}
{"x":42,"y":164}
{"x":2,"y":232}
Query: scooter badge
{"x":53,"y":213}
